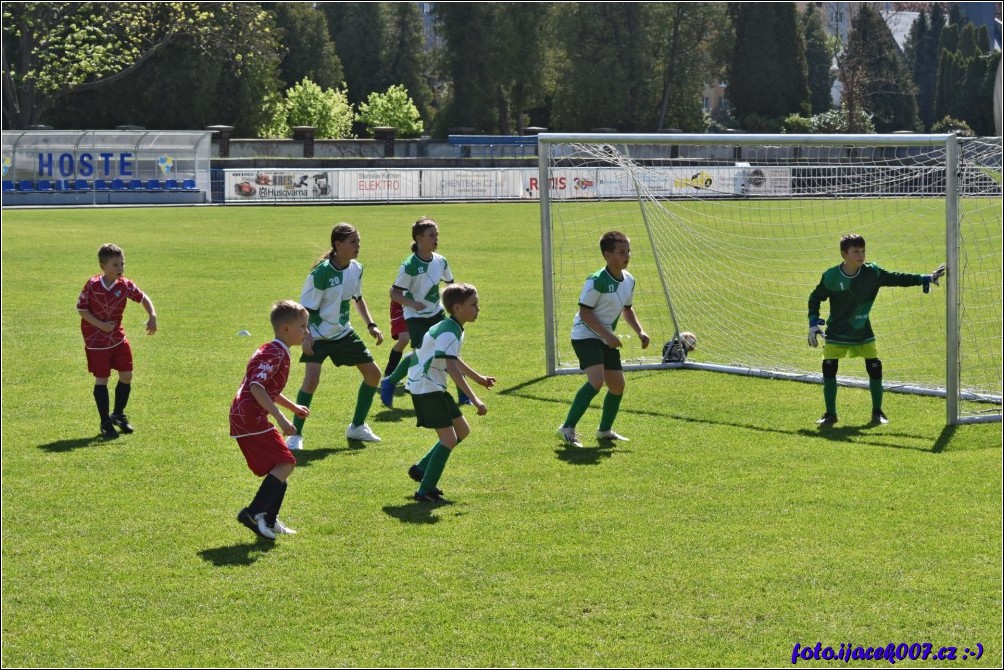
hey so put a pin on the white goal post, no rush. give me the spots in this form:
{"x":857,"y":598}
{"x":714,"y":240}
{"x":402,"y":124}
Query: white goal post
{"x":730,"y":233}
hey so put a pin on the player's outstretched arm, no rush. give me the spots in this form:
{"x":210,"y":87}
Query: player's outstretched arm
{"x":934,"y":277}
{"x":364,"y":312}
{"x":632,"y":320}
{"x":397,"y":295}
{"x":103,"y":326}
{"x":456,"y":373}
{"x":261,"y":395}
{"x":589,"y":318}
{"x":151,"y":322}
{"x":299,"y":410}
{"x":468,"y":371}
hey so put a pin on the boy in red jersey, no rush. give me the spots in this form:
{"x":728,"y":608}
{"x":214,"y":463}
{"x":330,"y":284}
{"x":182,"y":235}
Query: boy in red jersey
{"x":100,"y":305}
{"x":258,"y":396}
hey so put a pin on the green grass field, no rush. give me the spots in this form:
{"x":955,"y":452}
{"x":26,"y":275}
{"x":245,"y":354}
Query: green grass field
{"x":728,"y":529}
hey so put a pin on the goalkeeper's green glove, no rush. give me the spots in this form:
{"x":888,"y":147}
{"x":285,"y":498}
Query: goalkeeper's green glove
{"x":934,"y":277}
{"x":815,"y":331}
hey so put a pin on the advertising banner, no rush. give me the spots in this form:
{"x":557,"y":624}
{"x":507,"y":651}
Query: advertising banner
{"x":280,"y":186}
{"x":485,"y":184}
{"x":566,"y":184}
{"x":379,"y":184}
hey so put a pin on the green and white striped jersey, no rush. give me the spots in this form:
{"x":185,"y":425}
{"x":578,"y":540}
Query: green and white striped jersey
{"x":607,"y":297}
{"x":327,"y":294}
{"x":420,"y":281}
{"x":428,"y":373}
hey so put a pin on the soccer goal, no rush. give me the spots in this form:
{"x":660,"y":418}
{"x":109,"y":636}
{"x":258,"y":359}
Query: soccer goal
{"x":730,"y":234}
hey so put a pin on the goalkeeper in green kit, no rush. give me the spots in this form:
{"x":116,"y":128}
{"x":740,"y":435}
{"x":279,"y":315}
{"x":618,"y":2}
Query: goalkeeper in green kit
{"x":851,"y":288}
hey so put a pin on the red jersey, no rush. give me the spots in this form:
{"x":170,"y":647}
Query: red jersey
{"x":107,"y":303}
{"x":268,"y":368}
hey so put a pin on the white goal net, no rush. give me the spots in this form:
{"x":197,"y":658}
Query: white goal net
{"x":730,"y":234}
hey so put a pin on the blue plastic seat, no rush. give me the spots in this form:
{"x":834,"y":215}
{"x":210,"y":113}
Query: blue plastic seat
{"x":118,"y":185}
{"x":189,"y":185}
{"x":81,"y":185}
{"x":8,"y":185}
{"x":154,"y":185}
{"x":44,"y":185}
{"x":100,"y":185}
{"x":172,"y":185}
{"x":135,"y":185}
{"x":26,"y":185}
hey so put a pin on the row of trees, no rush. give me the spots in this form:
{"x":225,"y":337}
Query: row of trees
{"x":779,"y":73}
{"x":497,"y":67}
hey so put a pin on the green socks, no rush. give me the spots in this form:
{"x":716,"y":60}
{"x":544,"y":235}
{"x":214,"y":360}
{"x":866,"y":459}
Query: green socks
{"x":581,"y":403}
{"x":401,"y":371}
{"x":611,"y":403}
{"x":363,"y":403}
{"x":434,"y":471}
{"x":830,"y":394}
{"x":875,"y":386}
{"x":302,"y":398}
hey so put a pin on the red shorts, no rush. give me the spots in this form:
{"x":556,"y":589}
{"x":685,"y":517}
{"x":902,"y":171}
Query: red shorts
{"x":265,"y":451}
{"x":397,"y":322}
{"x":101,"y":362}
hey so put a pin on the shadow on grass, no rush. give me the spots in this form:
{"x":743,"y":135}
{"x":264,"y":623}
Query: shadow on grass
{"x":843,"y":433}
{"x":586,"y":455}
{"x":245,"y":553}
{"x":62,"y":446}
{"x":385,"y":415}
{"x":307,"y":456}
{"x":415,"y":512}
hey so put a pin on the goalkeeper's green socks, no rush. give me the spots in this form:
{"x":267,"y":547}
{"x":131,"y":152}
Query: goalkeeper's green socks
{"x":830,"y":394}
{"x":580,"y":404}
{"x":611,"y":404}
{"x":875,"y":386}
{"x":401,"y":371}
{"x":302,"y":398}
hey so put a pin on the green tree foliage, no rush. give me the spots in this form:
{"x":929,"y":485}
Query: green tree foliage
{"x":307,"y":104}
{"x":768,"y":73}
{"x":818,"y":59}
{"x":922,"y":50}
{"x":309,"y":51}
{"x":606,"y":77}
{"x":392,"y":108}
{"x":950,"y":125}
{"x":832,"y":121}
{"x":52,"y":50}
{"x":875,"y":76}
{"x":467,"y":29}
{"x":690,"y":34}
{"x":521,"y":49}
{"x":966,"y":77}
{"x":406,"y":62}
{"x":358,"y":29}
{"x":184,"y":86}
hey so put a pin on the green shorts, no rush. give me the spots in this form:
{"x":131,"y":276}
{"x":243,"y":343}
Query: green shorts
{"x":832,"y":350}
{"x":435,"y":410}
{"x":419,"y":326}
{"x":348,"y":350}
{"x":592,"y":352}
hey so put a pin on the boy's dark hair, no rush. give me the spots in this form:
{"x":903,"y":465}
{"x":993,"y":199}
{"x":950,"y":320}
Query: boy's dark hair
{"x":852,"y":240}
{"x":339,"y":233}
{"x":455,"y":294}
{"x":107,"y":252}
{"x":609,"y":240}
{"x":419,"y":227}
{"x":286,"y":311}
